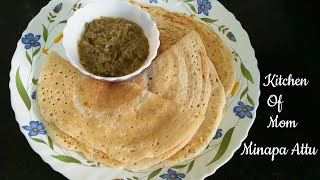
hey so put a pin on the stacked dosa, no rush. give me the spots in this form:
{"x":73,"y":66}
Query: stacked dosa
{"x":130,"y":128}
{"x":173,"y":26}
{"x":139,"y":123}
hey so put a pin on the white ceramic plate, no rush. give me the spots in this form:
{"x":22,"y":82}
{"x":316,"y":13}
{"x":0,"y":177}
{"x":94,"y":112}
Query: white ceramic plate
{"x":44,"y":34}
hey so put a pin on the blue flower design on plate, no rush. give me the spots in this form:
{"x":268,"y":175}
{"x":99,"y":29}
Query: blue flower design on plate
{"x":218,"y":134}
{"x":30,"y":40}
{"x":172,"y":175}
{"x":34,"y":95}
{"x":243,"y":110}
{"x":155,"y":1}
{"x":231,"y":36}
{"x":204,"y":6}
{"x":35,"y":128}
{"x":58,"y":8}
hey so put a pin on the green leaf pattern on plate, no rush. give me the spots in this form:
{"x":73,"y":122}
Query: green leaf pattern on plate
{"x":223,"y":147}
{"x":67,"y":159}
{"x":44,"y":33}
{"x":190,"y":166}
{"x":28,"y":57}
{"x":244,"y":92}
{"x":246,"y":73}
{"x":208,"y":20}
{"x":38,"y":140}
{"x":64,"y":21}
{"x":22,"y":91}
{"x":50,"y":142}
{"x":36,"y":52}
{"x":250,"y":100}
{"x":179,"y":166}
{"x":154,"y":173}
{"x":192,"y":8}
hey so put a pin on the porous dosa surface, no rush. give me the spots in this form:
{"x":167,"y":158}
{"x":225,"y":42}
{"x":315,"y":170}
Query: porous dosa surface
{"x":122,"y":127}
{"x":67,"y":142}
{"x":123,"y":120}
{"x":193,"y":148}
{"x":208,"y":128}
{"x":192,"y":84}
{"x":204,"y":134}
{"x":173,"y":26}
{"x":178,"y":74}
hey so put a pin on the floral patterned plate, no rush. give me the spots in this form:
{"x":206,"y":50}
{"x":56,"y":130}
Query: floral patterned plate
{"x":44,"y":34}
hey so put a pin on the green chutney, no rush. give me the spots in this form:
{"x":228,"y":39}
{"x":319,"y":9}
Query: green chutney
{"x":112,"y":47}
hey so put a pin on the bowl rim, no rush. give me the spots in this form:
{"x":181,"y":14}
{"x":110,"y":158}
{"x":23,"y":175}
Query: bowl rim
{"x":152,"y":51}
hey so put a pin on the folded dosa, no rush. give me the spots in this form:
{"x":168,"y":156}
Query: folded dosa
{"x":123,"y":120}
{"x":173,"y":26}
{"x":128,"y":122}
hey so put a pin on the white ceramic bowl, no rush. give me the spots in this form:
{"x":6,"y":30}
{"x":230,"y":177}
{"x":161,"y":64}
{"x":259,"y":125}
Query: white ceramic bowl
{"x":109,"y":8}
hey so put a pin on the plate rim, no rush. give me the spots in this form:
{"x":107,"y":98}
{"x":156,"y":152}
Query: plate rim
{"x":250,"y":50}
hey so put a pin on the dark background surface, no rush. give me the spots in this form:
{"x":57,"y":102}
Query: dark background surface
{"x":286,"y":40}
